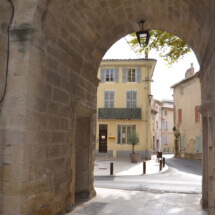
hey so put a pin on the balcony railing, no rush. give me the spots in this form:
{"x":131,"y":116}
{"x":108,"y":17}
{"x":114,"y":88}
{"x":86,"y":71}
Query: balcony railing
{"x":119,"y":113}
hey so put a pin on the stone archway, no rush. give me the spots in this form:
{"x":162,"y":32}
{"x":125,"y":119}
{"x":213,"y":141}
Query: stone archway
{"x":56,"y":48}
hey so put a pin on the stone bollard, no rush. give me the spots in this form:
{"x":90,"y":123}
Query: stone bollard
{"x":144,"y":167}
{"x":111,"y":168}
{"x":161,"y":165}
{"x":164,"y":162}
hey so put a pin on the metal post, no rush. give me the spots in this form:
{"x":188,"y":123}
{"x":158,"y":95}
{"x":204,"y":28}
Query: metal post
{"x":164,"y":162}
{"x":144,"y":167}
{"x":111,"y":168}
{"x":161,"y":165}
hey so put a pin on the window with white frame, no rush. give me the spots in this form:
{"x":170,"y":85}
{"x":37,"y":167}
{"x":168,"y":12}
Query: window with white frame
{"x":166,"y":125}
{"x":131,"y":74}
{"x":166,"y":139}
{"x":131,"y":99}
{"x":109,"y":74}
{"x":123,"y":131}
{"x":109,"y":99}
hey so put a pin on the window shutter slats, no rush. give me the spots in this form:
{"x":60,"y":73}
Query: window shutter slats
{"x":128,"y":99}
{"x":102,"y":74}
{"x":166,"y":125}
{"x":106,"y":96}
{"x":124,"y":75}
{"x":138,"y":75}
{"x":116,"y":76}
{"x":109,"y":99}
{"x":182,"y":142}
{"x":134,"y":99}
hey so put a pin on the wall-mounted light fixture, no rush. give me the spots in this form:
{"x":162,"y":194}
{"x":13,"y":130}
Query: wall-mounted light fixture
{"x":143,"y":35}
{"x":150,"y":98}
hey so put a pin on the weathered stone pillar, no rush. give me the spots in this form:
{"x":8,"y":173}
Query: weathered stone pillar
{"x":204,"y":200}
{"x":208,"y":158}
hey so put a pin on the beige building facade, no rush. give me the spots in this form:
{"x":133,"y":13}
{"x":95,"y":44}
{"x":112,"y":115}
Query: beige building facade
{"x":123,"y":106}
{"x":156,"y":113}
{"x":187,"y":120}
{"x":167,"y":127}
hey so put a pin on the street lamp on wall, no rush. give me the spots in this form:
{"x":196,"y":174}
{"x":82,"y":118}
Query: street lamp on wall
{"x":150,"y":98}
{"x":143,"y":35}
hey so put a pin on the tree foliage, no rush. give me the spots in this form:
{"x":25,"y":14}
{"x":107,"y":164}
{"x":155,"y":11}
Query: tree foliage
{"x":170,"y":47}
{"x":133,"y":139}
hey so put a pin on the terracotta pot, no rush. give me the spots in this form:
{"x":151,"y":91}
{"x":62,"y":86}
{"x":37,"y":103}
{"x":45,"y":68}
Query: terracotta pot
{"x":134,"y":157}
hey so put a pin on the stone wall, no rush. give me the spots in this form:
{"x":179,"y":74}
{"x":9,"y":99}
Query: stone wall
{"x":56,"y":48}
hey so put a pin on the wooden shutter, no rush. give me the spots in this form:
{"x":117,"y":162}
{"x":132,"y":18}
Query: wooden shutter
{"x":197,"y":115}
{"x":180,"y":115}
{"x":111,"y":99}
{"x":134,"y":99}
{"x":106,"y":99}
{"x":116,"y":75}
{"x":183,"y":142}
{"x":198,"y":144}
{"x":167,"y":139}
{"x":128,"y":99}
{"x":102,"y":74}
{"x":124,"y":74}
{"x":166,"y":125}
{"x":138,"y":74}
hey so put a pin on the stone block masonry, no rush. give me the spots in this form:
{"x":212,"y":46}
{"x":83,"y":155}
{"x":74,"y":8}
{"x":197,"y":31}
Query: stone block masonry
{"x":55,"y":51}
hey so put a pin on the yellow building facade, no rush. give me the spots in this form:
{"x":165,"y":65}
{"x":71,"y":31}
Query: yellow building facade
{"x":123,"y":106}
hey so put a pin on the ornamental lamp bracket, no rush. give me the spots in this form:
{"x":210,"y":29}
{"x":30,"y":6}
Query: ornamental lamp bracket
{"x":143,"y":35}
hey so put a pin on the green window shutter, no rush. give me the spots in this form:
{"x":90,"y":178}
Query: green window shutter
{"x":183,"y":142}
{"x":128,"y":99}
{"x":124,"y":74}
{"x":138,"y":74}
{"x":198,"y":144}
{"x":116,"y":75}
{"x":102,"y":74}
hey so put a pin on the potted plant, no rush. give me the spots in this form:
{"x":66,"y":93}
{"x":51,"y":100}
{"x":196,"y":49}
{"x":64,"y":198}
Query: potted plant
{"x":133,"y":139}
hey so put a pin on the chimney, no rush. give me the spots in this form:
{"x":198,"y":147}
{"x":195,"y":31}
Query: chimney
{"x":190,"y":71}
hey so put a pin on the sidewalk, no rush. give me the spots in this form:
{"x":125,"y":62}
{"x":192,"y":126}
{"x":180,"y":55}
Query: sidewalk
{"x":123,"y":166}
{"x":123,"y":202}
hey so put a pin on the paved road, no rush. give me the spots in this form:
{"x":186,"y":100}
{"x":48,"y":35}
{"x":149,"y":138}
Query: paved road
{"x":183,"y":176}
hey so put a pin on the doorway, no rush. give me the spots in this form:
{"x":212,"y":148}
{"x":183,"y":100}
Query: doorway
{"x":103,"y":138}
{"x":82,"y":158}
